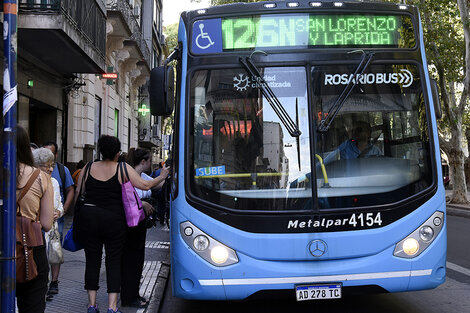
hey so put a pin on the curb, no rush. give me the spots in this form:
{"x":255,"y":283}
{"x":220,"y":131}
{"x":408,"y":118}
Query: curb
{"x":458,"y":210}
{"x":159,"y":289}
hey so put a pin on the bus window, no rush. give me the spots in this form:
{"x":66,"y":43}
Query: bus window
{"x":393,"y":161}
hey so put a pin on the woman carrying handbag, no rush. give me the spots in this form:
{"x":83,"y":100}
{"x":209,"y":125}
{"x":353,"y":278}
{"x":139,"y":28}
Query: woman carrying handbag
{"x":102,"y":220}
{"x":134,"y":249}
{"x":37,"y":205}
{"x":44,"y":159}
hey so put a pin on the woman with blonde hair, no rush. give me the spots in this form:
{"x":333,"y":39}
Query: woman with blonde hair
{"x":44,"y":159}
{"x":37,"y":204}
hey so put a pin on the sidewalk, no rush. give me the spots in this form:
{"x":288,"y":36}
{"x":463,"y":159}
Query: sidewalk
{"x":462,"y":210}
{"x":72,"y":296}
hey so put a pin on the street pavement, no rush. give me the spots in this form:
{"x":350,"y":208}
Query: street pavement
{"x":462,"y":210}
{"x":72,"y":296}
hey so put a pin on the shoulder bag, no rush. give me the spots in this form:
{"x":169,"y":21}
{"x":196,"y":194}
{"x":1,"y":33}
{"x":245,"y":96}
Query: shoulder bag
{"x":55,"y":255}
{"x":69,"y":243}
{"x":28,"y":236}
{"x":72,"y":238}
{"x":130,"y":199}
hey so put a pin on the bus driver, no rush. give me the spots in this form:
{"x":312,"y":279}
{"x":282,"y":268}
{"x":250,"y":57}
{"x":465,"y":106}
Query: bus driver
{"x":359,"y":146}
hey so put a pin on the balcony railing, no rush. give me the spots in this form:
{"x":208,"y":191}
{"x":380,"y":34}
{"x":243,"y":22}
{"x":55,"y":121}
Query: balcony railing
{"x":127,"y":13}
{"x":40,"y":5}
{"x":84,"y":15}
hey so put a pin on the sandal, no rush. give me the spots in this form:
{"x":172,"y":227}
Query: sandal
{"x":138,"y":303}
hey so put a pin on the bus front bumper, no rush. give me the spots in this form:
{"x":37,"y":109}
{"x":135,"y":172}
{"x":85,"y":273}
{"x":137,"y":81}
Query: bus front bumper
{"x":250,"y":275}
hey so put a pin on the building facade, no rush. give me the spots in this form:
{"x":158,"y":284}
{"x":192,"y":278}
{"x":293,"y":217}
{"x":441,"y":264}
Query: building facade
{"x":119,"y":106}
{"x":65,"y":50}
{"x":57,"y":40}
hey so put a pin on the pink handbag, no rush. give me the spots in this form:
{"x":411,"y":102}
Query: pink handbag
{"x":130,"y":199}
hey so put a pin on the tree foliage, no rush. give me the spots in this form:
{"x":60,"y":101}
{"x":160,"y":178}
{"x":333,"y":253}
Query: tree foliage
{"x":447,"y":43}
{"x":171,"y":37}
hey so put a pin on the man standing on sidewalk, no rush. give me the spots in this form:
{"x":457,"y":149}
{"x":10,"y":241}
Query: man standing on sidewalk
{"x":62,"y":174}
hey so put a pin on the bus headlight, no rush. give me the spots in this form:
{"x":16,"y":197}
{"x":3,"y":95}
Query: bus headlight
{"x":219,"y":255}
{"x":420,"y":238}
{"x":410,"y":246}
{"x":211,"y":250}
{"x":201,"y":243}
{"x":426,"y":233}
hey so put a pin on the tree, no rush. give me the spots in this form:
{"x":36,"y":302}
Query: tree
{"x":171,"y":37}
{"x":447,"y":42}
{"x":447,"y":38}
{"x":171,"y":42}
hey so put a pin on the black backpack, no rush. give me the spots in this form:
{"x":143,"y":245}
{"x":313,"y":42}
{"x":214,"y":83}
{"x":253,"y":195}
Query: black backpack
{"x":60,"y":168}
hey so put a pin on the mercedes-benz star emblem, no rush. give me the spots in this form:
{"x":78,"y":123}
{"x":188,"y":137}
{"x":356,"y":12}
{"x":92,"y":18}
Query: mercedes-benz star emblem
{"x":317,"y":248}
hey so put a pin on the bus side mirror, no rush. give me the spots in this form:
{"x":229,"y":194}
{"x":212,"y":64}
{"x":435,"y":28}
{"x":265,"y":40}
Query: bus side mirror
{"x":436,"y":99}
{"x":162,"y":90}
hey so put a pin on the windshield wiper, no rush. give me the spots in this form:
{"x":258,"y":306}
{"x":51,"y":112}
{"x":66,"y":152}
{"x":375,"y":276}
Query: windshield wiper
{"x":297,"y":140}
{"x":336,"y":107}
{"x":286,"y":120}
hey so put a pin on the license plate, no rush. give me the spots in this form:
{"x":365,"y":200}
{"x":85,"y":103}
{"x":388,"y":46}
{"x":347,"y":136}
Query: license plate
{"x":315,"y":292}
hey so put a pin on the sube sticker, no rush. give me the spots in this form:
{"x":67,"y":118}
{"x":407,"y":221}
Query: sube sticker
{"x":210,"y":171}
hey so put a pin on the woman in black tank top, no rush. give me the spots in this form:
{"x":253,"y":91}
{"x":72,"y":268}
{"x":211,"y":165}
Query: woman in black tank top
{"x":102,"y":220}
{"x":111,"y":188}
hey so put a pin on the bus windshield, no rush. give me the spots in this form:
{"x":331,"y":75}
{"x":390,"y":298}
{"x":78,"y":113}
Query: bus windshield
{"x":243,"y":157}
{"x":375,"y":152}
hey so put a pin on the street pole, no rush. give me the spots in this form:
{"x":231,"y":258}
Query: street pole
{"x":10,"y":96}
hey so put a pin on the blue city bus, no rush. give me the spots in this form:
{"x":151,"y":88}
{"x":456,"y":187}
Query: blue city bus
{"x":305,"y":156}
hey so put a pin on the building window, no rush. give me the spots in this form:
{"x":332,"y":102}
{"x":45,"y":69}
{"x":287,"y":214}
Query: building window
{"x":116,"y":85}
{"x":137,"y":10}
{"x":155,"y":12}
{"x":116,"y":123}
{"x":154,"y":57}
{"x":97,"y":132}
{"x":156,"y":15}
{"x":128,"y":133}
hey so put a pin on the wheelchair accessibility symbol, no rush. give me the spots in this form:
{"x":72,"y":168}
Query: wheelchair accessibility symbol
{"x":207,"y":36}
{"x":203,"y":40}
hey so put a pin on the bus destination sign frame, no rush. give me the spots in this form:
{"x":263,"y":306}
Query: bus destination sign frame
{"x":302,"y":31}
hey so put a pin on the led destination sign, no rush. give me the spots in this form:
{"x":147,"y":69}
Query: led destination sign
{"x":311,"y":30}
{"x":302,"y":31}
